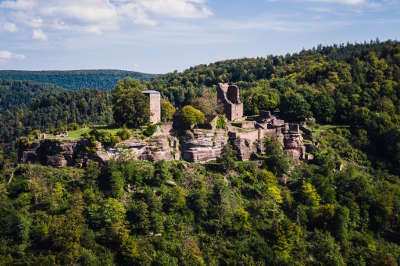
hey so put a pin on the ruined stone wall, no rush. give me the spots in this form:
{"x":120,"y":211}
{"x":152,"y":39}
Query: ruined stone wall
{"x":234,"y":111}
{"x":228,"y":95}
{"x":246,"y":142}
{"x":233,"y":94}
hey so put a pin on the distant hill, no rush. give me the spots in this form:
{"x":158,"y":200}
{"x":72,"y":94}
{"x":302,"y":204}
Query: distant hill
{"x":14,"y":94}
{"x":28,"y":105}
{"x":76,"y":79}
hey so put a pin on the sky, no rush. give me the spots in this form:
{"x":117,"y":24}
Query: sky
{"x":159,"y":36}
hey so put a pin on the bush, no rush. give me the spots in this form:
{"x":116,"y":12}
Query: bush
{"x":150,"y":130}
{"x":106,"y":138}
{"x":221,"y":122}
{"x":276,"y":159}
{"x":228,"y":158}
{"x":167,"y":110}
{"x":189,"y":117}
{"x":124,"y":133}
{"x":34,"y":134}
{"x":73,"y":126}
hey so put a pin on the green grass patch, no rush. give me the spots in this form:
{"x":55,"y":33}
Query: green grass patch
{"x":75,"y":135}
{"x":318,"y":129}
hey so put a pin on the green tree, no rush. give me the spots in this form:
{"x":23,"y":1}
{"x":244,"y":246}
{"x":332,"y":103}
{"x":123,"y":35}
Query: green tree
{"x":294,"y":107}
{"x":325,"y":251}
{"x":167,"y":110}
{"x":189,"y":117}
{"x":323,"y":108}
{"x":113,"y":211}
{"x":130,"y":105}
{"x":228,"y":158}
{"x":276,"y":159}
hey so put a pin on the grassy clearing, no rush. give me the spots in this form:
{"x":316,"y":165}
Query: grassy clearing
{"x":318,"y":129}
{"x":75,"y":135}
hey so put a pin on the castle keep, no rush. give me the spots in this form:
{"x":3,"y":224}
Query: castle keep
{"x":155,"y":107}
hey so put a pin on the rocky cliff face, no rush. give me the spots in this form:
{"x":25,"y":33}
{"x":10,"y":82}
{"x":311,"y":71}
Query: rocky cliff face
{"x":71,"y":153}
{"x":50,"y":152}
{"x":157,"y":148}
{"x":203,"y":145}
{"x":293,"y":142}
{"x":199,"y":146}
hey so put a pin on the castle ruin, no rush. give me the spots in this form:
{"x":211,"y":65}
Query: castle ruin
{"x":228,"y":96}
{"x":200,"y":145}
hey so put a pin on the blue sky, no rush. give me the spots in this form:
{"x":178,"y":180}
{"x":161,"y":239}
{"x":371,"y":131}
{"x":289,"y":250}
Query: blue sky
{"x":158,"y":36}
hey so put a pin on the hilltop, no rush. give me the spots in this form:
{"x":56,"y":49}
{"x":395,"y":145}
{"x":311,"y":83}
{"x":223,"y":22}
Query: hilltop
{"x":120,"y":195}
{"x":76,"y":79}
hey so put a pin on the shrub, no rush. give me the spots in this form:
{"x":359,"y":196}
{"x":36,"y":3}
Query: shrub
{"x":221,"y":122}
{"x":150,"y":130}
{"x":34,"y":134}
{"x":189,"y":117}
{"x":124,"y":133}
{"x":167,"y":110}
{"x":106,"y":138}
{"x":73,"y":126}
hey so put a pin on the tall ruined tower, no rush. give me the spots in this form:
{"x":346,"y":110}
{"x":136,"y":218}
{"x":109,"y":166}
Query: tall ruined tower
{"x":155,"y":107}
{"x":228,"y":95}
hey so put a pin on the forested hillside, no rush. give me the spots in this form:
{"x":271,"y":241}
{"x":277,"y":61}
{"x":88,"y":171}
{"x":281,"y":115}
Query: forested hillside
{"x":340,"y":208}
{"x":17,"y":93}
{"x":355,"y":84}
{"x":26,"y":105}
{"x":76,"y":79}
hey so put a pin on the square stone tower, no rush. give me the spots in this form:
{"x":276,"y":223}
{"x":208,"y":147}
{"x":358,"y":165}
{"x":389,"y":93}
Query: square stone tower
{"x":155,"y":107}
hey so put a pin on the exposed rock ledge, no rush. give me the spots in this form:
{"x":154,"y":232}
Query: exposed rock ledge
{"x":204,"y":145}
{"x":59,"y":153}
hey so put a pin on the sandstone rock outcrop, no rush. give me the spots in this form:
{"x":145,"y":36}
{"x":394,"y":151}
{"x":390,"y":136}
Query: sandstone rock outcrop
{"x":204,"y":145}
{"x":59,"y":153}
{"x":293,"y":142}
{"x":156,"y":148}
{"x":50,"y":152}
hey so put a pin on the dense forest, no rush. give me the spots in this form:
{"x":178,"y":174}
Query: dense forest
{"x":26,"y":106}
{"x":76,"y":79}
{"x":354,"y":84}
{"x":341,"y":208}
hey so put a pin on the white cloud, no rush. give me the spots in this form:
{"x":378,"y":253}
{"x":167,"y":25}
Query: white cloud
{"x":345,"y":2}
{"x":6,"y":56}
{"x":10,"y":27}
{"x":97,"y":16}
{"x":176,"y":8}
{"x":18,"y":4}
{"x":38,"y":34}
{"x":147,"y":12}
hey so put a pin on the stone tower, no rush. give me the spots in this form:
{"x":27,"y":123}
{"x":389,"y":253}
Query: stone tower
{"x":228,"y":95}
{"x":155,"y":107}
